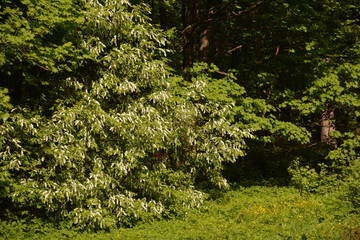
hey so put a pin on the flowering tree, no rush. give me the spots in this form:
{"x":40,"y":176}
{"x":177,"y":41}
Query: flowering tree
{"x":124,"y":140}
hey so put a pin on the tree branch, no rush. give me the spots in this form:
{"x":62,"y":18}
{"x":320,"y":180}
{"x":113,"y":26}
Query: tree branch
{"x":234,"y":49}
{"x":32,"y":60}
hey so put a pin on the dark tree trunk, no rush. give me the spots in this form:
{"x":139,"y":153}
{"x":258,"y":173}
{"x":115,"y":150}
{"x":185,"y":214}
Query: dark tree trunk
{"x":197,"y":17}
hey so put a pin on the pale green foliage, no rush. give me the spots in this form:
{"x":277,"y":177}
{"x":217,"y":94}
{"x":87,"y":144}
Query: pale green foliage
{"x":336,"y":89}
{"x":306,"y":179}
{"x":258,"y":114}
{"x":250,"y":113}
{"x":5,"y":106}
{"x":26,"y":29}
{"x":345,"y":162}
{"x":340,"y":176}
{"x":131,"y":142}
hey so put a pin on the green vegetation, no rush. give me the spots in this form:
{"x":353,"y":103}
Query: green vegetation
{"x":128,"y":115}
{"x":246,"y":213}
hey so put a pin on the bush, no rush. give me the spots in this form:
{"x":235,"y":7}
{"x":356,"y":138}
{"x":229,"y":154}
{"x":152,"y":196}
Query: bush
{"x":341,"y":176}
{"x":246,"y":213}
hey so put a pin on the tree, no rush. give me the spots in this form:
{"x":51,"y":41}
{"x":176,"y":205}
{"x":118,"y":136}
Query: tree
{"x":38,"y":42}
{"x":126,"y":141}
{"x":278,"y":51}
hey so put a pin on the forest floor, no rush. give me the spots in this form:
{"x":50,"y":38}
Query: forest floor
{"x":255,"y":212}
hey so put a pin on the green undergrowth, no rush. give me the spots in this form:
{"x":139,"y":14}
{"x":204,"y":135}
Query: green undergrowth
{"x":255,"y":212}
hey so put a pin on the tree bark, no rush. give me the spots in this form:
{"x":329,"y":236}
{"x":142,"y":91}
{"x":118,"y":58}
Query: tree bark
{"x":328,"y":126}
{"x":190,"y":11}
{"x":198,"y":30}
{"x":357,"y":130}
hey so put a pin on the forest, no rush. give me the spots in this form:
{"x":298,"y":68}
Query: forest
{"x":179,"y":119}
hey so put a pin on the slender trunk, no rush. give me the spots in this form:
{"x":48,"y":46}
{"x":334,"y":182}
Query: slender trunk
{"x":328,"y":126}
{"x":207,"y":31}
{"x":204,"y":45}
{"x":357,"y":130}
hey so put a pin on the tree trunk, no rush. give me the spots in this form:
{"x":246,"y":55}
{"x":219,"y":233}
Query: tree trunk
{"x":204,"y":45}
{"x":328,"y":126}
{"x":191,"y":12}
{"x":197,"y":34}
{"x":357,"y":130}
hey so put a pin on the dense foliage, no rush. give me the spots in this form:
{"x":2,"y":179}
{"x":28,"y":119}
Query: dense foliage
{"x":119,"y":111}
{"x":251,"y":213}
{"x":125,"y":140}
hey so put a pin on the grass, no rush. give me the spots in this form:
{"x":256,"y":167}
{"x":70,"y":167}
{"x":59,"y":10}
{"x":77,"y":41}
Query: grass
{"x":246,"y":213}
